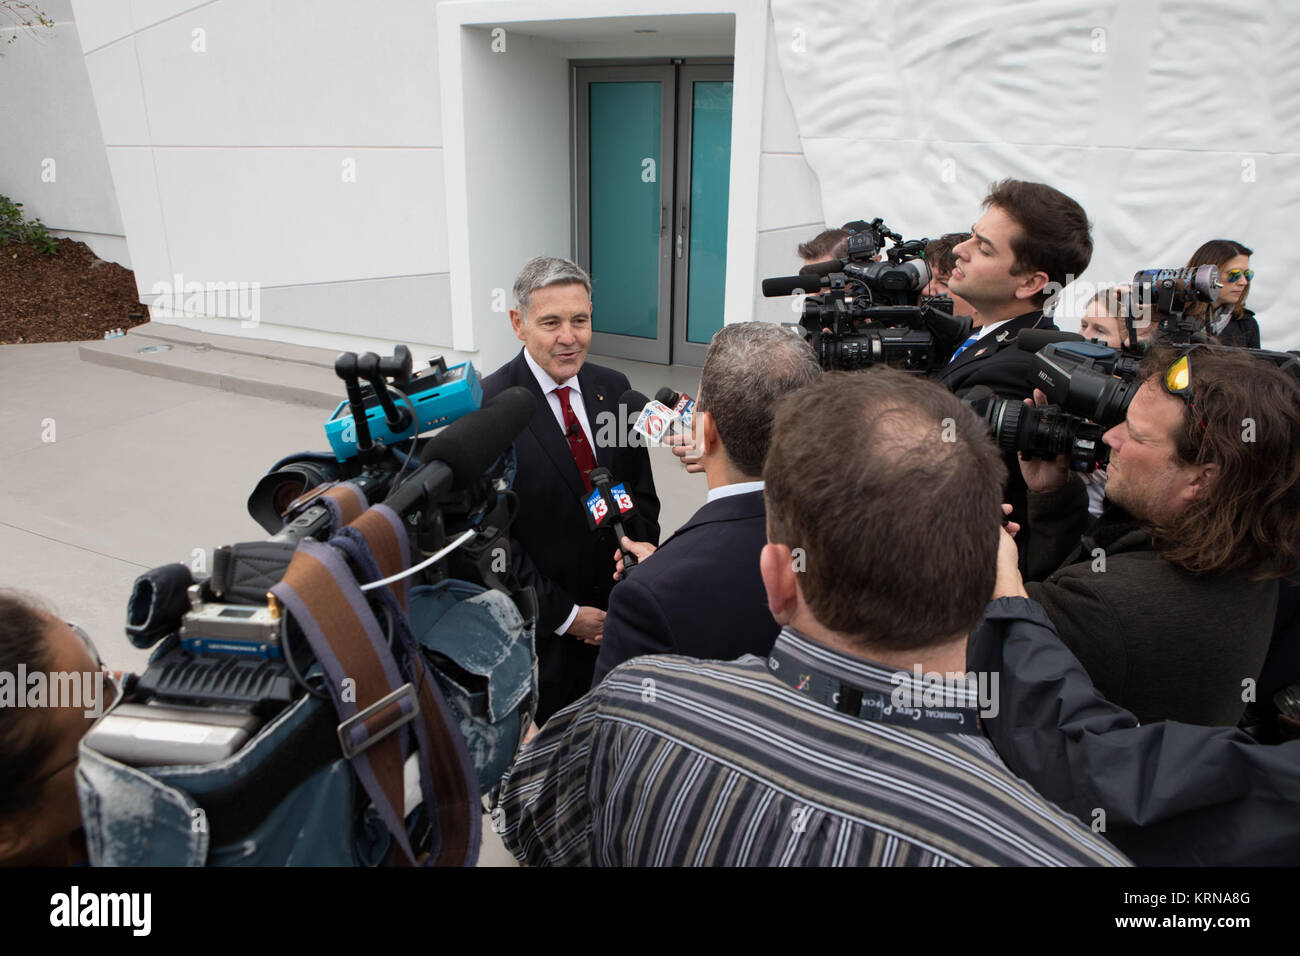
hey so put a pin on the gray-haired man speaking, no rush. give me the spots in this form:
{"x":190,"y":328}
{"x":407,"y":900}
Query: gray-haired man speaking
{"x":553,"y":550}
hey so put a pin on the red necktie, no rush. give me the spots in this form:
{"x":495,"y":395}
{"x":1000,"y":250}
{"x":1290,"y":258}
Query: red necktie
{"x":582,"y":454}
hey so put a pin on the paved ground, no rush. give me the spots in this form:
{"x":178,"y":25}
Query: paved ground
{"x":105,"y":473}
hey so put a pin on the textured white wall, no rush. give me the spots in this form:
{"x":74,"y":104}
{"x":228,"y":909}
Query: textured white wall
{"x":48,"y":128}
{"x":1170,"y":122}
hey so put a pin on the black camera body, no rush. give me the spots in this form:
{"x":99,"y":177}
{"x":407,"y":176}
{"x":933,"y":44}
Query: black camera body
{"x":870,"y":312}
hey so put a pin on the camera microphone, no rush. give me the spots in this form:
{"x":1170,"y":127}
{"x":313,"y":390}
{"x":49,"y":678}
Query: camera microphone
{"x":789,"y":285}
{"x":461,"y":452}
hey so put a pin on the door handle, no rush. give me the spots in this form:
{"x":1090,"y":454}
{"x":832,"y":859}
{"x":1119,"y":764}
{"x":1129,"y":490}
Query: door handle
{"x":663,"y":219}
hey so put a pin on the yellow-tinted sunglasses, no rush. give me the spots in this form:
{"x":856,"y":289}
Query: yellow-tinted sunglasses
{"x":1178,"y":381}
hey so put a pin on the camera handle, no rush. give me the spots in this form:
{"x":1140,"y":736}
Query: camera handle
{"x":372,"y":369}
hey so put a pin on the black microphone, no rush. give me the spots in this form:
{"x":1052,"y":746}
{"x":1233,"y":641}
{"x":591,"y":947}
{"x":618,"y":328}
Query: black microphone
{"x":789,"y":285}
{"x":1031,"y":340}
{"x":461,"y":452}
{"x":607,"y":504}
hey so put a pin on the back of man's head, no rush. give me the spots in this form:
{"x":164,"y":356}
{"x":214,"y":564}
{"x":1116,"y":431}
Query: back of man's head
{"x":1055,"y":237}
{"x":892,"y":488}
{"x":939,"y":256}
{"x":827,"y":244}
{"x":1244,"y":418}
{"x":748,"y":367}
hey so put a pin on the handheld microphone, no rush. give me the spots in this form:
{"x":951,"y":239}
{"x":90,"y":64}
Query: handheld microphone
{"x":607,"y":505}
{"x":656,"y":419}
{"x":683,"y":405}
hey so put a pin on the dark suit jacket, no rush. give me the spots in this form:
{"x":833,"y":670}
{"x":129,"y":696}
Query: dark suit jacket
{"x":553,"y":549}
{"x":701,"y":594}
{"x":997,"y":362}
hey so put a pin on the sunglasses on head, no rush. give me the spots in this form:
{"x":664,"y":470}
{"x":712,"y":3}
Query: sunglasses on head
{"x":1234,"y":275}
{"x":1178,"y":381}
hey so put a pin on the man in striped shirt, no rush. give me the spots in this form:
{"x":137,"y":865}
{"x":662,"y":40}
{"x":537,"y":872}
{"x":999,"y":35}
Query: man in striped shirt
{"x":856,"y":741}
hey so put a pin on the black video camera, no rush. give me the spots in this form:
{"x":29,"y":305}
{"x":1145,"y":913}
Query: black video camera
{"x":868,"y":312}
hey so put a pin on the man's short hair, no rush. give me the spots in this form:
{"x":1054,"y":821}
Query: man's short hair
{"x":544,"y":271}
{"x":829,"y":244}
{"x":748,"y":367}
{"x":892,"y":488}
{"x":1247,"y":421}
{"x":1054,"y":233}
{"x":938,"y":253}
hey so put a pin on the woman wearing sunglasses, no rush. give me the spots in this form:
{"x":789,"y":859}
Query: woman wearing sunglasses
{"x":1229,"y":320}
{"x":40,"y":817}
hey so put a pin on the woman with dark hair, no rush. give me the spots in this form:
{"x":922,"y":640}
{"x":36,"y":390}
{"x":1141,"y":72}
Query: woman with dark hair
{"x":40,"y":817}
{"x":1228,"y":320}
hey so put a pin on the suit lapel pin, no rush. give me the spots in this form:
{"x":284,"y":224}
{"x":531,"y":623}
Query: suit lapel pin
{"x":1003,"y":336}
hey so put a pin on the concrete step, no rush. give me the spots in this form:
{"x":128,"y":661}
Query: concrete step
{"x":274,"y":370}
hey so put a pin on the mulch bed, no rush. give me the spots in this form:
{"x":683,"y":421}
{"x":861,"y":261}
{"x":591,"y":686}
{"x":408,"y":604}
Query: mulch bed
{"x":70,"y":296}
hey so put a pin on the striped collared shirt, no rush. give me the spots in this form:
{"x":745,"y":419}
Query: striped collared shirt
{"x":676,"y":761}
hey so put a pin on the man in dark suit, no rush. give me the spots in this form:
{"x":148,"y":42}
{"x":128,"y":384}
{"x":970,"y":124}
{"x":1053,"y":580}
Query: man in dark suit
{"x":1030,"y":243}
{"x":701,"y":594}
{"x":553,"y":549}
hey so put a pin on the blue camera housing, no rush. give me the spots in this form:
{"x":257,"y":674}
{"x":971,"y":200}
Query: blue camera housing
{"x":440,"y":396}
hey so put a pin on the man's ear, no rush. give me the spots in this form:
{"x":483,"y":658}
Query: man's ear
{"x":517,"y":324}
{"x":776,"y":565}
{"x":14,"y":838}
{"x":1203,"y":480}
{"x":1032,"y":284}
{"x":706,"y":433}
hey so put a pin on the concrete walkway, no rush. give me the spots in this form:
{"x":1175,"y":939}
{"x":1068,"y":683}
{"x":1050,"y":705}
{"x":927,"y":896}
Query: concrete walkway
{"x":106,"y":472}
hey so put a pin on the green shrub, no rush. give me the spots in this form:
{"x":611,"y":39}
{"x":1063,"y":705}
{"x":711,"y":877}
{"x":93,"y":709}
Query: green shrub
{"x":13,"y":228}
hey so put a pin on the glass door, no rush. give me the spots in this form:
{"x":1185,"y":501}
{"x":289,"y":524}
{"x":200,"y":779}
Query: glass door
{"x":625,"y":190}
{"x":704,"y":170}
{"x":652,"y":156}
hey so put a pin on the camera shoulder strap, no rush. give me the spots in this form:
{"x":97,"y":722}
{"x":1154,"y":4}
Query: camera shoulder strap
{"x":379,"y":546}
{"x":373,"y":702}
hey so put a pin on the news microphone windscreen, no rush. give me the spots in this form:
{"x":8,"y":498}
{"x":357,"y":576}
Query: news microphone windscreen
{"x":472,"y":442}
{"x":668,"y":396}
{"x":789,"y":285}
{"x":634,"y":399}
{"x":600,"y":476}
{"x":1031,"y":340}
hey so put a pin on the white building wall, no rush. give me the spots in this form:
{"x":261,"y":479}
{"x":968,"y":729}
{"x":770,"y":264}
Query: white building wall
{"x":51,"y":152}
{"x":1170,"y":122}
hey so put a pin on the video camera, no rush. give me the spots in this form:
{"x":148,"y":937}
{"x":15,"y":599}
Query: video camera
{"x":1088,"y":388}
{"x":234,"y":660}
{"x":868,"y":312}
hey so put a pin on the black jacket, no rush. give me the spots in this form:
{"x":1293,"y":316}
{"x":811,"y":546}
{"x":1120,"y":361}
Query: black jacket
{"x":1170,"y":794}
{"x":553,"y":549}
{"x":996,"y":362}
{"x":701,"y":594}
{"x":1242,"y":331}
{"x":1157,"y":640}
